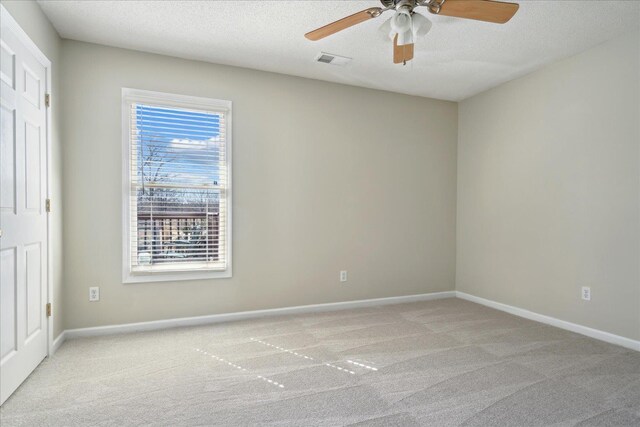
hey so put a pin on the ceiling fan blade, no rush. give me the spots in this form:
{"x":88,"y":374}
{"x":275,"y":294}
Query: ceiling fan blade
{"x":480,"y":10}
{"x":341,"y":24}
{"x":401,"y":53}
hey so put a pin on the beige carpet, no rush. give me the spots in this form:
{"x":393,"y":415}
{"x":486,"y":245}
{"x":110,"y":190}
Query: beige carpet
{"x":441,"y":363}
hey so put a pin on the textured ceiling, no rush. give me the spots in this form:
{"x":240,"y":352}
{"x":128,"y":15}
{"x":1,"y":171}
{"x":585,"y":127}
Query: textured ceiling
{"x":457,"y":59}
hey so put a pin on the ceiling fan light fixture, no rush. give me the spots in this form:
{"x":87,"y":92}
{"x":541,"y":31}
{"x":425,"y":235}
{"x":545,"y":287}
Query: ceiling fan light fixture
{"x":385,"y":29}
{"x":401,"y":21}
{"x":420,"y":25}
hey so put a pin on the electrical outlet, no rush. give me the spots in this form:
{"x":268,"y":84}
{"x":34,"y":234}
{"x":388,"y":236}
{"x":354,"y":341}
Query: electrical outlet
{"x":343,"y":276}
{"x":586,"y":293}
{"x":94,"y":293}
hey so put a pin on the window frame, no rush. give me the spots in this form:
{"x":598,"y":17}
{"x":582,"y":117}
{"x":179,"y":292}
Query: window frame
{"x":130,"y":96}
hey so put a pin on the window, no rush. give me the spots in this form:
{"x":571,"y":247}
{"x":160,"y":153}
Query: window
{"x":177,"y":179}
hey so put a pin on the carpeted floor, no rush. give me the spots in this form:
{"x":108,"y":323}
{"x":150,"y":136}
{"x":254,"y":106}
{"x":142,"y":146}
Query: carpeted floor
{"x":440,"y":363}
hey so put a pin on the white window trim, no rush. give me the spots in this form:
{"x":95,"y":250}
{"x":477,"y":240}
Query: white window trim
{"x":168,"y":99}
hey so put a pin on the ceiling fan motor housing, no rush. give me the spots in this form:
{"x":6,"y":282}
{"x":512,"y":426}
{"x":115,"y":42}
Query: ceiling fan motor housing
{"x":394,"y":4}
{"x":433,"y":5}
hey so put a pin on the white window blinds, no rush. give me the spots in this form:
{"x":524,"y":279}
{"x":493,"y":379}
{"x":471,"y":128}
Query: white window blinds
{"x":178,"y":199}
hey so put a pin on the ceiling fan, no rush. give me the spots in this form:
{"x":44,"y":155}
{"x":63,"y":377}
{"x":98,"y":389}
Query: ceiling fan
{"x":406,"y":25}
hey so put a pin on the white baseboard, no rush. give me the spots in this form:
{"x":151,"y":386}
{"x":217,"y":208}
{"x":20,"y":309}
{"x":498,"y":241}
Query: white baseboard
{"x":562,"y":324}
{"x":58,"y":342}
{"x":227,"y":317}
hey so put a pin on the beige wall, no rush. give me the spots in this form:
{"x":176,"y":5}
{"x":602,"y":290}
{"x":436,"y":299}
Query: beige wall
{"x":549,"y":190}
{"x":326,"y":178}
{"x":33,"y":21}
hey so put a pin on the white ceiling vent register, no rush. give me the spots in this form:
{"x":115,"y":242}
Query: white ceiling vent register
{"x":330,"y":58}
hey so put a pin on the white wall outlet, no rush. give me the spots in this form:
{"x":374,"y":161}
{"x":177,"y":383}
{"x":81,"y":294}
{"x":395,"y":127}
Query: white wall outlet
{"x":94,"y":293}
{"x":343,"y":276}
{"x":586,"y":293}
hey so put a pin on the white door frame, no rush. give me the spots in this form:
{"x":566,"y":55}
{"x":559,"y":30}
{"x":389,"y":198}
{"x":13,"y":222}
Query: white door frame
{"x":8,"y":22}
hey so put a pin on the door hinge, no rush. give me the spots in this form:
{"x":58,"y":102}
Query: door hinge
{"x":48,"y":205}
{"x":48,"y":309}
{"x":47,"y":100}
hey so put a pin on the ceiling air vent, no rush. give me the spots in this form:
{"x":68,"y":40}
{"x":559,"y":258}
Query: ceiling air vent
{"x":330,"y":58}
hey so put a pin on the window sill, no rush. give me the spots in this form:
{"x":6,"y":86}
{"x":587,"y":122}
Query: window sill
{"x":173,"y":275}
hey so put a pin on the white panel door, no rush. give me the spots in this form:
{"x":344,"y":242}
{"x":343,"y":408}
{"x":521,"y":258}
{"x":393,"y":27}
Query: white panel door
{"x":23,"y":245}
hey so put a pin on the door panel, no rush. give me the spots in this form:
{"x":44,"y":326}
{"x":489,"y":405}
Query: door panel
{"x":7,"y":159}
{"x":8,"y":294}
{"x":33,"y":303}
{"x":23,"y":245}
{"x":31,"y":87}
{"x":32,"y":167}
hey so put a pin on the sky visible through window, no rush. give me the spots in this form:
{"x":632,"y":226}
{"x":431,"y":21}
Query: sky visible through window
{"x":178,"y":146}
